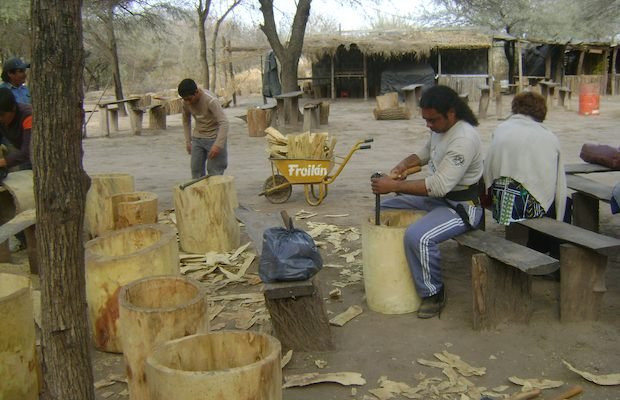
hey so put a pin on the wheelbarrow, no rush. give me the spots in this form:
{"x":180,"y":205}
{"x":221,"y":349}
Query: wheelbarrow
{"x":313,"y":174}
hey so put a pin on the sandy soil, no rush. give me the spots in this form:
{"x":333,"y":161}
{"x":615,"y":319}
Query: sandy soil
{"x":388,"y":345}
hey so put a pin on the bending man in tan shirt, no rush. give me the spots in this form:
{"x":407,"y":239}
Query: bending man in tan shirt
{"x":207,"y":142}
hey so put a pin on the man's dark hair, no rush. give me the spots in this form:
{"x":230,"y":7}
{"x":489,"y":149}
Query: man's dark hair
{"x":442,"y":98}
{"x":5,"y":76}
{"x":187,"y":87}
{"x":530,"y":104}
{"x":7,"y":100}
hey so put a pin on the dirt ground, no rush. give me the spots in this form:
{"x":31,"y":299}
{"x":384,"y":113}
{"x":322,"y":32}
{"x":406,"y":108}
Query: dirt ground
{"x":375,"y":344}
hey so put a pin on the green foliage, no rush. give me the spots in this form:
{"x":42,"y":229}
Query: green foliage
{"x":15,"y":29}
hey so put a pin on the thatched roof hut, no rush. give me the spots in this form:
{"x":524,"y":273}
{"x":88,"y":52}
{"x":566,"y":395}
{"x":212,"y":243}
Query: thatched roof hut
{"x":395,"y":43}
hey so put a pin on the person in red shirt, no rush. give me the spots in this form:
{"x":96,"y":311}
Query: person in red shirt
{"x":15,"y":132}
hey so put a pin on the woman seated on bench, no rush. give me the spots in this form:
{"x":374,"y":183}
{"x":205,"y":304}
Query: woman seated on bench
{"x":523,"y":170}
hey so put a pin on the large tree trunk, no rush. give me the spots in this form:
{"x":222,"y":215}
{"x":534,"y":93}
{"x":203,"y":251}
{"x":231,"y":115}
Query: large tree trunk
{"x":289,"y":55}
{"x":60,"y":185}
{"x":203,"y":13}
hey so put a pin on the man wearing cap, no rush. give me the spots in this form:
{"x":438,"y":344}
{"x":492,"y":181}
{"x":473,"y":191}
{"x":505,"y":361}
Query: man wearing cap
{"x":15,"y":132}
{"x":207,"y":142}
{"x":14,"y":77}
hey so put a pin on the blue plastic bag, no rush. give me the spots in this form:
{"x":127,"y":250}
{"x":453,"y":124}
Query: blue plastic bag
{"x":288,"y":255}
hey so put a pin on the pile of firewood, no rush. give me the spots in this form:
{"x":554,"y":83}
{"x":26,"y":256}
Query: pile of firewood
{"x":308,"y":146}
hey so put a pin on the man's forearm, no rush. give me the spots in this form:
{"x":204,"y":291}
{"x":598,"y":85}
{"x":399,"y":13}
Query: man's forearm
{"x":411,"y":161}
{"x":417,"y":187}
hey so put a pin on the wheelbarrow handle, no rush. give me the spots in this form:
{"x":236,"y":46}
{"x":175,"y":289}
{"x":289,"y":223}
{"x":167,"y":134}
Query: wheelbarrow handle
{"x":364,"y":146}
{"x":369,"y":140}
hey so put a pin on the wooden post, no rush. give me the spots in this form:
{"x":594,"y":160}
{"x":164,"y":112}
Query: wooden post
{"x":365,"y":78}
{"x":483,"y":105}
{"x":500,"y":293}
{"x":232,"y":75}
{"x":298,"y":315}
{"x":205,"y":214}
{"x":614,"y":83}
{"x":582,"y":55}
{"x":548,"y":65}
{"x":333,"y":78}
{"x":438,"y":63}
{"x":520,"y":64}
{"x":497,"y":90}
{"x":324,"y":113}
{"x":582,"y":284}
{"x":605,"y":75}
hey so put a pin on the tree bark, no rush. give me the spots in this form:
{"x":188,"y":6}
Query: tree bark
{"x":216,"y":31}
{"x":60,"y":185}
{"x":289,"y":55}
{"x":203,"y":13}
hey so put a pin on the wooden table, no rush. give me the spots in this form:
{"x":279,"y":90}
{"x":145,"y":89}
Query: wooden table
{"x":288,"y":109}
{"x":108,"y":115}
{"x":547,"y":89}
{"x":586,"y":199}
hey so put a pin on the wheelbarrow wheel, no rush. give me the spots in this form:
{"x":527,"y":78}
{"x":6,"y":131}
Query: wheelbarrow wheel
{"x":280,"y":195}
{"x":316,"y":195}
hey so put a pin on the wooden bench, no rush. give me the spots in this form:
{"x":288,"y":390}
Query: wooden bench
{"x":547,"y":89}
{"x":464,"y":97}
{"x":564,"y":94}
{"x":412,"y":94}
{"x":288,"y":109}
{"x":586,"y":199}
{"x":502,"y":278}
{"x":157,"y":117}
{"x":583,"y":262}
{"x":108,"y":114}
{"x":584,"y":168}
{"x":483,"y":104}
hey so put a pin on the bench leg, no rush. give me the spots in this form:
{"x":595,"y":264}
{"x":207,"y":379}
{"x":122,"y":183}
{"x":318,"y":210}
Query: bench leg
{"x":324,"y":113}
{"x":301,"y":323}
{"x":483,"y":105}
{"x":103,"y":122}
{"x":307,"y":120}
{"x":582,"y":283}
{"x":135,"y":120}
{"x":585,"y":212}
{"x":157,"y":118}
{"x":500,"y":293}
{"x":31,"y":248}
{"x":5,"y":252}
{"x":113,"y":120}
{"x":411,"y":102}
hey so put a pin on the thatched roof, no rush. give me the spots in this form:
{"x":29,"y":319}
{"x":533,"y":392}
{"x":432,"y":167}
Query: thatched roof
{"x":392,"y":43}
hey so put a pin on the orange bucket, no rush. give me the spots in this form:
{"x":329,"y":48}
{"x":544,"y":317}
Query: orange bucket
{"x":589,"y":99}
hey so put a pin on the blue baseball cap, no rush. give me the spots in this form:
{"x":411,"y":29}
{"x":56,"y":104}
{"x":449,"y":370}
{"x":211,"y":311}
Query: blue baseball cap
{"x":13,"y":64}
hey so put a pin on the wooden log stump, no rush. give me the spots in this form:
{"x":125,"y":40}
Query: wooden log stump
{"x":501,"y":293}
{"x":205,"y":214}
{"x":324,"y":113}
{"x":18,"y":359}
{"x":387,"y":101}
{"x":116,"y":259}
{"x":259,"y":119}
{"x":228,"y":365}
{"x":298,"y":315}
{"x":98,"y":216}
{"x":582,"y":284}
{"x":157,"y":117}
{"x":154,"y":310}
{"x":312,"y":118}
{"x":136,"y":208}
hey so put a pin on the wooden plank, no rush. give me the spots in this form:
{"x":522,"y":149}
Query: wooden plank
{"x":584,"y":168}
{"x":573,"y":234}
{"x":289,"y":95}
{"x":293,"y":289}
{"x":589,"y":187}
{"x":509,"y":253}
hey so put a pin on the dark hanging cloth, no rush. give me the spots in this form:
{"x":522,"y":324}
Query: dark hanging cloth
{"x":271,"y":81}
